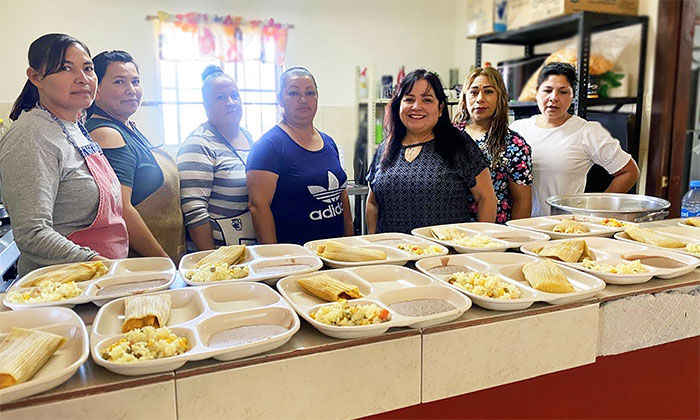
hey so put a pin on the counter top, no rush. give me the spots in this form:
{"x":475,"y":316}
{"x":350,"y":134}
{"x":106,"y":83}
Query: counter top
{"x":92,"y":379}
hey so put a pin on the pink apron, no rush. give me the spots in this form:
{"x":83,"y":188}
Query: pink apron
{"x":107,"y":234}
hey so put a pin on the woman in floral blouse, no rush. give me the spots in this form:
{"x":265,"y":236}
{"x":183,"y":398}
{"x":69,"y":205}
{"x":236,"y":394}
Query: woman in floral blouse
{"x":483,"y":114}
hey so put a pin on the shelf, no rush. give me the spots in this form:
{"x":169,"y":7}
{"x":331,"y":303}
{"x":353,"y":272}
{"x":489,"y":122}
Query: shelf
{"x":560,"y":28}
{"x":591,"y":102}
{"x":384,"y":101}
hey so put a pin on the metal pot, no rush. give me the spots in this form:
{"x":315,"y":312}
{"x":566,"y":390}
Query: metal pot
{"x":629,"y":207}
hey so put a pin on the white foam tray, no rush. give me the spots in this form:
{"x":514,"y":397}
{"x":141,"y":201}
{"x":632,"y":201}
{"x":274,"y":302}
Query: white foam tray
{"x":508,"y":267}
{"x":387,"y":242}
{"x":64,"y":362}
{"x":198,"y":313}
{"x":507,"y":236}
{"x":610,"y":251}
{"x":131,"y":270}
{"x":545,"y":224}
{"x":258,"y":258}
{"x":687,"y":234}
{"x":382,"y":285}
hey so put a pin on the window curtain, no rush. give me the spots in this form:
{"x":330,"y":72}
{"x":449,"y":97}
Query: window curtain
{"x":197,"y":36}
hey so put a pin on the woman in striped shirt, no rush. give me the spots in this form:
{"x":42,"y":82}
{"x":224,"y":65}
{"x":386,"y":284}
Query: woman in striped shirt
{"x":211,"y":163}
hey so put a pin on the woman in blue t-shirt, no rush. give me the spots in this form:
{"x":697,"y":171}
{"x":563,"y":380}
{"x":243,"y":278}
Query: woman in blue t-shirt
{"x":296,"y":185}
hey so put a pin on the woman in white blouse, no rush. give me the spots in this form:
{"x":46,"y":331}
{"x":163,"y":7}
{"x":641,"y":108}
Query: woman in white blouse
{"x":565,"y":147}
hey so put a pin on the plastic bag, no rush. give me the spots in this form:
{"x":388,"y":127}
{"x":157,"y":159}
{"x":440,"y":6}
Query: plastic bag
{"x":606,"y":48}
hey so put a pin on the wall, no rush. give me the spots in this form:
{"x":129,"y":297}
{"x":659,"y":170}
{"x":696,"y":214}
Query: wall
{"x":330,"y":38}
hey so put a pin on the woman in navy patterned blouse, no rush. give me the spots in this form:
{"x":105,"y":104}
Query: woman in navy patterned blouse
{"x":483,"y":114}
{"x":427,"y":172}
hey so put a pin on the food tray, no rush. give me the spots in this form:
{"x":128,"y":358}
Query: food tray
{"x":63,"y":363}
{"x":610,"y":251}
{"x":198,"y":313}
{"x":545,"y":224}
{"x":382,"y":285}
{"x":124,"y":271}
{"x":508,"y":267}
{"x":386,"y":242}
{"x":260,"y":260}
{"x":689,"y":234}
{"x":509,"y":237}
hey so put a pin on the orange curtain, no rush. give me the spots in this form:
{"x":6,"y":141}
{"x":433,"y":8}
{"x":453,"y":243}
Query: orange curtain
{"x":197,"y":36}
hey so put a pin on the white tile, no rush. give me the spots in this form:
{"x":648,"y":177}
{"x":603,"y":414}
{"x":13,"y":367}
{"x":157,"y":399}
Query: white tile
{"x":473,"y":358}
{"x":155,"y":401}
{"x":345,"y":383}
{"x":648,"y":320}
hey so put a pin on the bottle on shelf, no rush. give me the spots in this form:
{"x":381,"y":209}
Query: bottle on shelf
{"x":362,"y":91}
{"x":690,"y":204}
{"x":400,"y":76}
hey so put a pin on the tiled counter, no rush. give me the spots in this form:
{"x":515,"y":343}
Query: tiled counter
{"x":315,"y":376}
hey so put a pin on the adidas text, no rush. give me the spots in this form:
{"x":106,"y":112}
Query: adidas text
{"x":327,"y":213}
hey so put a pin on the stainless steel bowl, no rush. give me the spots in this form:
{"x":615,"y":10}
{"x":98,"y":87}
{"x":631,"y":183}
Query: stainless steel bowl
{"x":629,"y":207}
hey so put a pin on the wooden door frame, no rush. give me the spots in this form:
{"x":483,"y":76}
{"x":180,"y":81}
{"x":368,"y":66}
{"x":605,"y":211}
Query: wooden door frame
{"x":670,"y":100}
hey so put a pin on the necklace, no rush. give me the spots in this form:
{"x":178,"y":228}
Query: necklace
{"x":412,"y":153}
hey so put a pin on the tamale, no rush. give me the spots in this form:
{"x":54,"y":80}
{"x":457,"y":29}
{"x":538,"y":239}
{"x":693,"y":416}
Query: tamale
{"x":546,"y":276}
{"x":146,"y":311}
{"x":74,"y":272}
{"x":693,"y":221}
{"x":570,"y":226}
{"x":327,"y":288}
{"x":23,"y":352}
{"x":569,"y":251}
{"x":446,"y":233}
{"x":649,"y":236}
{"x":337,"y":251}
{"x":231,"y":255}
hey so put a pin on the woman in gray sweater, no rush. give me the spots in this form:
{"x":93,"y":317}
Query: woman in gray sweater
{"x":63,"y":197}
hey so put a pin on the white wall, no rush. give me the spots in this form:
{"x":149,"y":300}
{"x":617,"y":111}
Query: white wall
{"x":331,"y":37}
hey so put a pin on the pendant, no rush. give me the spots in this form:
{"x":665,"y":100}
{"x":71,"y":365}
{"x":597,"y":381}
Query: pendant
{"x":412,"y":153}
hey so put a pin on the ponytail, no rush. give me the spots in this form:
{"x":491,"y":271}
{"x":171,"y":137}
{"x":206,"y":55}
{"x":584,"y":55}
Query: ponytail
{"x":25,"y":101}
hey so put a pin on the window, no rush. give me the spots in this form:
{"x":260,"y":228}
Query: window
{"x":181,"y":95}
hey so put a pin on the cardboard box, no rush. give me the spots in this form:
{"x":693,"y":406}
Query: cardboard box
{"x":525,"y":12}
{"x":480,"y":15}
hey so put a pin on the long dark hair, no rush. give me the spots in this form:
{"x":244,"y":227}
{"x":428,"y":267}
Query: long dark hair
{"x":100,"y":63}
{"x":448,"y":138}
{"x":496,"y":138}
{"x":47,"y":53}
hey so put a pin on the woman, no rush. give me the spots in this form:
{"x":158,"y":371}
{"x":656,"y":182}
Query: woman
{"x":61,"y":193}
{"x":211,"y":162}
{"x":427,"y":172}
{"x":149,"y":181}
{"x":483,"y":114}
{"x":565,"y":147}
{"x":295,"y":180}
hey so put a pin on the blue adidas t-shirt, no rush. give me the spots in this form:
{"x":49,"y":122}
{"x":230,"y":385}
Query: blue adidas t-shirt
{"x":307,"y":203}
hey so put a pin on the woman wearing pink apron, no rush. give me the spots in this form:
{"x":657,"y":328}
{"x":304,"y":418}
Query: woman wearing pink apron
{"x":62,"y":195}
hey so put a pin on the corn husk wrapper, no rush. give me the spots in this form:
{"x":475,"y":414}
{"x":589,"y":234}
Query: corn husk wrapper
{"x":651,"y":237}
{"x":23,"y":352}
{"x":327,"y":288}
{"x":231,"y":255}
{"x":546,"y":276}
{"x":569,"y":251}
{"x":337,"y":251}
{"x":74,"y":272}
{"x":146,"y":311}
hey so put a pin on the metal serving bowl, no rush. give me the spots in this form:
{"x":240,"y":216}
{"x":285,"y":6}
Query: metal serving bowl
{"x":629,"y":207}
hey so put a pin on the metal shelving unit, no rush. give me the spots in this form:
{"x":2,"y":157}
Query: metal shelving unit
{"x":581,"y":24}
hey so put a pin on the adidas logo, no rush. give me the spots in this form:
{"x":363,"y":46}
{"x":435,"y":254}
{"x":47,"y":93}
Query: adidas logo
{"x":330,"y":195}
{"x":327,"y":195}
